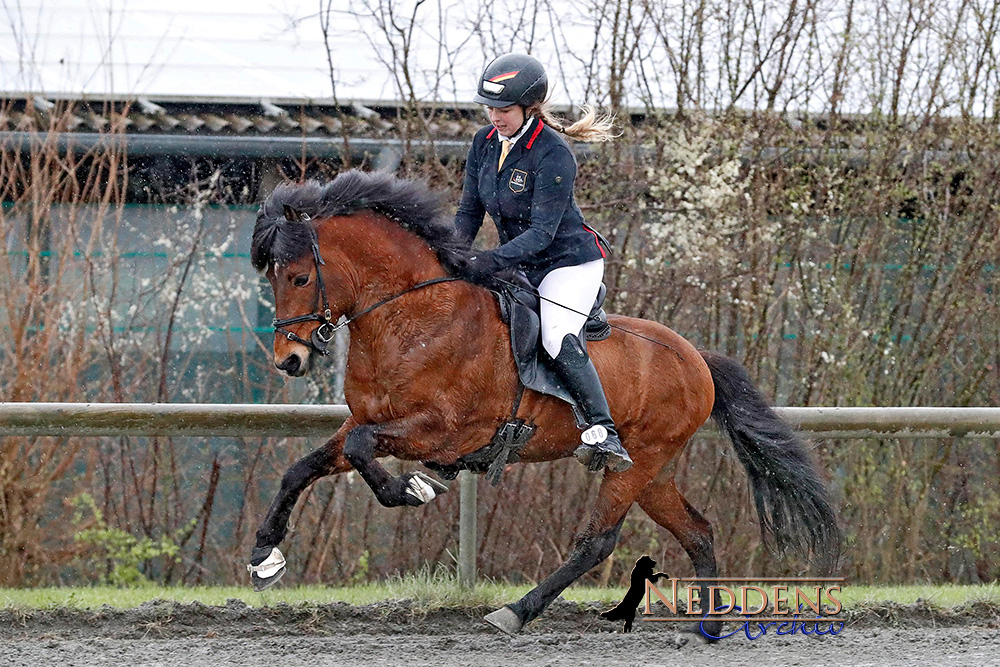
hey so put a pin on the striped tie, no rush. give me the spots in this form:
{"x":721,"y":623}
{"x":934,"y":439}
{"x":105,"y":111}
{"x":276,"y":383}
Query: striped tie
{"x":504,"y":149}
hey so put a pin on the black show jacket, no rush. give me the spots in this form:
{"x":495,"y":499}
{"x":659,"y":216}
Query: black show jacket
{"x":530,"y":199}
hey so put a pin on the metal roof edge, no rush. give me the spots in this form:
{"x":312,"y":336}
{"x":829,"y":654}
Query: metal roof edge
{"x":288,"y":101}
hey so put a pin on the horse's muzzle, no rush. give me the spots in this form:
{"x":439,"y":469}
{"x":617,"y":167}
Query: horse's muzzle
{"x":293,"y":365}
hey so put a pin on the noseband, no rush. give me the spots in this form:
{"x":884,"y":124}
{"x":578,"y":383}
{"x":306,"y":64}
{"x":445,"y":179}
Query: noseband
{"x":323,"y":334}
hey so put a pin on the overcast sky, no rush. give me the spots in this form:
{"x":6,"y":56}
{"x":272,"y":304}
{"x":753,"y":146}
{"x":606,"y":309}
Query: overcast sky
{"x":221,"y":48}
{"x":274,"y":49}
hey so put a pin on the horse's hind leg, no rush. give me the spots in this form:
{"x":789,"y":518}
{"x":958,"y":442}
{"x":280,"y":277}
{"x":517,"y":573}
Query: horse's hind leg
{"x":595,"y":543}
{"x":267,"y":565}
{"x":666,"y":506}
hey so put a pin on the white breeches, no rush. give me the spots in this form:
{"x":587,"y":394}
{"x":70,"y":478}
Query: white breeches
{"x":574,"y":287}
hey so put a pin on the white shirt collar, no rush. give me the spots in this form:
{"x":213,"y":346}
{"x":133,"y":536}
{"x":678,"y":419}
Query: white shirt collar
{"x":524,"y":128}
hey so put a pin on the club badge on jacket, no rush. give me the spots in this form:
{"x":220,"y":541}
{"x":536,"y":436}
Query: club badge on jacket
{"x":518,"y":179}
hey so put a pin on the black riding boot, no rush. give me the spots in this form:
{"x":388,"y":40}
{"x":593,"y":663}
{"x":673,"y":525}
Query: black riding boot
{"x":602,"y":446}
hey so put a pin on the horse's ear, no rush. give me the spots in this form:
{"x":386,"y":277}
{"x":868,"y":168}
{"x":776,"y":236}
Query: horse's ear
{"x":291,"y":214}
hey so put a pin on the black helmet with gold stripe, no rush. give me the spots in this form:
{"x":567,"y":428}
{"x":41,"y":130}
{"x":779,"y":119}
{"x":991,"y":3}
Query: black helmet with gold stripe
{"x":513,"y":78}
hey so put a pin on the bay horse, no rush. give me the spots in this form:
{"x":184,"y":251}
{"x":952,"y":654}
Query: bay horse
{"x":430,"y":376}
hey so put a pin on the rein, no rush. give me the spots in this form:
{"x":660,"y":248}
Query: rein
{"x":323,"y":334}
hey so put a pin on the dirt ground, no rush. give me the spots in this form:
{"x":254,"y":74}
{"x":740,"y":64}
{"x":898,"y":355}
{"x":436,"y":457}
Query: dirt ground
{"x":194,"y":635}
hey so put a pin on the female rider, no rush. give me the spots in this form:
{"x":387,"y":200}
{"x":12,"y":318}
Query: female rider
{"x":521,"y":172}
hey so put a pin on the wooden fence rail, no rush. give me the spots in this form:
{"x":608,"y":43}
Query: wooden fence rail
{"x":213,"y":419}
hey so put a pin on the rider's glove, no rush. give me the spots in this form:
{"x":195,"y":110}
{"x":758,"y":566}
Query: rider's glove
{"x":482,"y":265}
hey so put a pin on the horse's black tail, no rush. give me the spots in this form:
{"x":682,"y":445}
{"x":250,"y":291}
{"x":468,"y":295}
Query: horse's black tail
{"x":792,"y":502}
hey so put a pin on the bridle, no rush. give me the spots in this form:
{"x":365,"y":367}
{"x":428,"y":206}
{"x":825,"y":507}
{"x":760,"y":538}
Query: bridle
{"x":323,"y":334}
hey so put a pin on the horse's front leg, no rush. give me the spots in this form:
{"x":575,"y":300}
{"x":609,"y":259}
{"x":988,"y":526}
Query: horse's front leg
{"x":267,"y":564}
{"x":413,"y":488}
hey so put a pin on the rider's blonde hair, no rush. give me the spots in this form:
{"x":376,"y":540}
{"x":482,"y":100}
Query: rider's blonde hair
{"x":590,"y":127}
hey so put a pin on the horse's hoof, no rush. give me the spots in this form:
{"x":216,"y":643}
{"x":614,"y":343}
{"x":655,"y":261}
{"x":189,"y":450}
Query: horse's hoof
{"x":505,"y":620}
{"x":692,"y":637}
{"x":267,"y":571}
{"x":421,"y":488}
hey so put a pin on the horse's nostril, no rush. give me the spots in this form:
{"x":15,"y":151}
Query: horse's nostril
{"x":291,"y":364}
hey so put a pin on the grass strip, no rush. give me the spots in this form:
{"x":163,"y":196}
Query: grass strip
{"x":430,"y":592}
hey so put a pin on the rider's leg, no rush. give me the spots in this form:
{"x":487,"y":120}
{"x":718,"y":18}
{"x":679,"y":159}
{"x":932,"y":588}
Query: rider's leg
{"x":574,"y":287}
{"x":569,"y":293}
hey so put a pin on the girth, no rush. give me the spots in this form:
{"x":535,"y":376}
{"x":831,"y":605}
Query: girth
{"x":504,"y":448}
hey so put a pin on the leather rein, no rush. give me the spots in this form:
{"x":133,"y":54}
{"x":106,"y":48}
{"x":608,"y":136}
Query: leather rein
{"x":323,"y":334}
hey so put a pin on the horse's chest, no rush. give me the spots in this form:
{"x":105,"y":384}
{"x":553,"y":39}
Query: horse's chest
{"x":377,"y":395}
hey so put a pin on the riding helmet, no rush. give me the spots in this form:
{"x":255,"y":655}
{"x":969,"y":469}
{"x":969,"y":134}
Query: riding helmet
{"x":513,"y":78}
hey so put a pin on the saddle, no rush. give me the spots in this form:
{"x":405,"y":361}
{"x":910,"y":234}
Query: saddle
{"x":519,"y":310}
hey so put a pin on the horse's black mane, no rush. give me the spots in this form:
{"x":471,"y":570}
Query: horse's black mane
{"x":410,"y":203}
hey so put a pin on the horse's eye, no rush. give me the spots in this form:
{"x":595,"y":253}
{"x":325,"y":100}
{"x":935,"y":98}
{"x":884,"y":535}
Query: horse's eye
{"x":301,"y":281}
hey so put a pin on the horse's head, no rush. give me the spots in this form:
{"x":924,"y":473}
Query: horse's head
{"x":380,"y":235}
{"x":310,"y":292}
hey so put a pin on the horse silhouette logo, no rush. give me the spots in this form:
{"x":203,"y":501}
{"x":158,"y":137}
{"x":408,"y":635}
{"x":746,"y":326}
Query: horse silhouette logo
{"x":625,"y":610}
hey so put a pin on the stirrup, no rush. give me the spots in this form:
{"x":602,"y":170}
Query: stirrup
{"x":596,"y":458}
{"x":600,"y":449}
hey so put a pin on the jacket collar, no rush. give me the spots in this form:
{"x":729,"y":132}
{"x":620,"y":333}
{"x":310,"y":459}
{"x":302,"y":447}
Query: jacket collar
{"x":520,"y":133}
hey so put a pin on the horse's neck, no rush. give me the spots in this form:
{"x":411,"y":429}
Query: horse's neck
{"x":387,"y":259}
{"x":440,"y":314}
{"x":432,"y":322}
{"x":401,"y":358}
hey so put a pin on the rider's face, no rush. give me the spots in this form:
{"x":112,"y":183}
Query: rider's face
{"x":507,"y":120}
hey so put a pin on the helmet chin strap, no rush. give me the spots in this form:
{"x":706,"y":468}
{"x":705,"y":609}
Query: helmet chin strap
{"x":524,"y":122}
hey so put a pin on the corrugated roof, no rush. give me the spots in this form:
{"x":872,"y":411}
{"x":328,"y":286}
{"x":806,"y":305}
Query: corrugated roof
{"x":237,"y":117}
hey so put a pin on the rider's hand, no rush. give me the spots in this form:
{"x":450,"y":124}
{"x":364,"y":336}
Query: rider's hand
{"x":482,"y":265}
